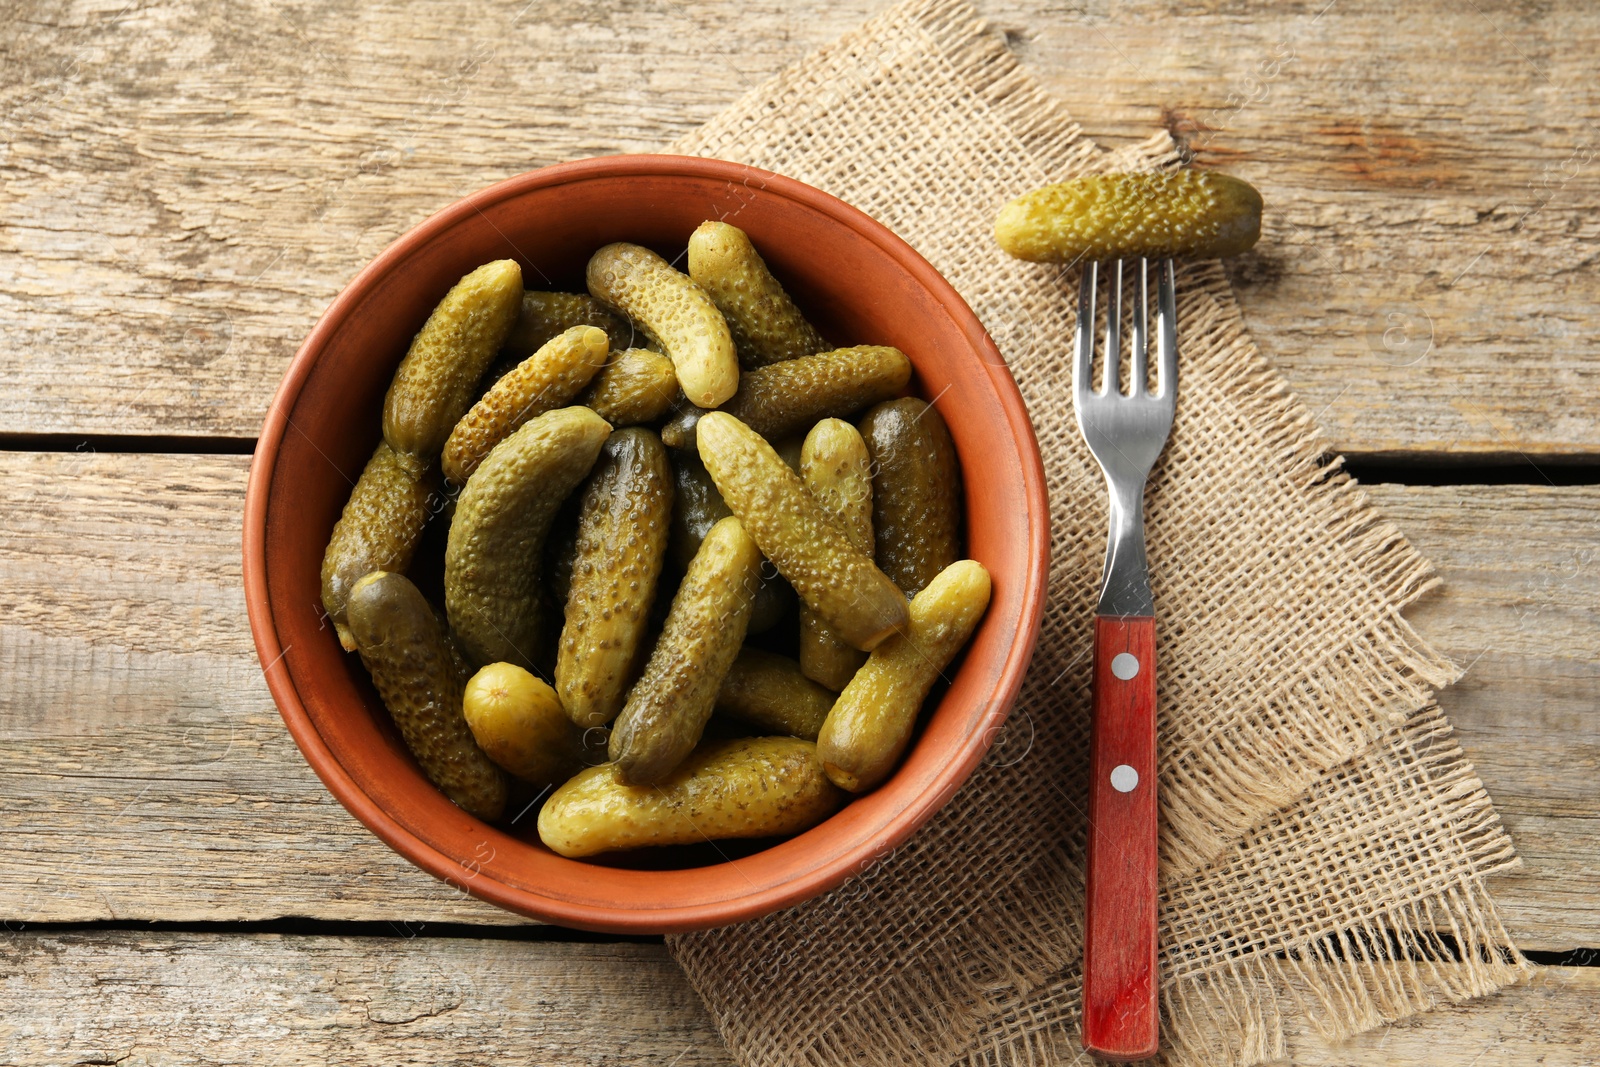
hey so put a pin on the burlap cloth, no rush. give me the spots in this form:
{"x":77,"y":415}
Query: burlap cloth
{"x":1324,"y":843}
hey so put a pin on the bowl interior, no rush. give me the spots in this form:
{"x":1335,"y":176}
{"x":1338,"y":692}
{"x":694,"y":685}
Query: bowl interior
{"x":860,"y":285}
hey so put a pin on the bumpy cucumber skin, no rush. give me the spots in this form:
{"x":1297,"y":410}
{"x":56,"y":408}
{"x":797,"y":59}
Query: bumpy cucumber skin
{"x":787,"y":398}
{"x":542,"y":316}
{"x":636,"y":386}
{"x":668,"y":707}
{"x":771,"y":693}
{"x":745,"y":787}
{"x":866,"y":733}
{"x":407,"y":653}
{"x":916,"y":491}
{"x":1196,"y":213}
{"x":837,"y":471}
{"x":493,"y":573}
{"x":696,"y":508}
{"x":437,"y":380}
{"x":544,"y":381}
{"x":675,"y":312}
{"x":765,"y":324}
{"x":811,"y":550}
{"x":378,"y":529}
{"x":622,"y":541}
{"x":518,"y":722}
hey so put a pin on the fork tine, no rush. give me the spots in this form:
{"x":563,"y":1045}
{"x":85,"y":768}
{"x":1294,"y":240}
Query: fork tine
{"x":1083,"y":361}
{"x":1167,"y":354}
{"x":1137,"y":382}
{"x":1113,"y":331}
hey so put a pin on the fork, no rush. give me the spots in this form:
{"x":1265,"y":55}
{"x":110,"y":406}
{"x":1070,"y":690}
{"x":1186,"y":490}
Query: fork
{"x":1126,"y":434}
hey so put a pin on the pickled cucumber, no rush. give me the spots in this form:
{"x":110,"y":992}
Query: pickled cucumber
{"x":518,"y":722}
{"x":1197,"y":213}
{"x":438,"y":377}
{"x":667,"y":708}
{"x":745,"y":787}
{"x":811,"y":550}
{"x":866,"y":732}
{"x":765,"y":324}
{"x":542,"y":316}
{"x":378,"y":529}
{"x":492,"y":562}
{"x":836,"y":469}
{"x":770,"y":692}
{"x":406,"y":651}
{"x":916,"y":491}
{"x":697,"y":506}
{"x":787,"y":398}
{"x":635,"y":386}
{"x":675,"y":312}
{"x":622,"y":540}
{"x":546,"y":380}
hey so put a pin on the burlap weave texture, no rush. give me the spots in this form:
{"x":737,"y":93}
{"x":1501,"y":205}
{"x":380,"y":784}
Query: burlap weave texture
{"x":1290,"y":683}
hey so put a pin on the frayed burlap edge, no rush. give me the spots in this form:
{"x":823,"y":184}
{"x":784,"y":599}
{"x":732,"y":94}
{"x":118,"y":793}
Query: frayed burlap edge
{"x":1436,"y":945}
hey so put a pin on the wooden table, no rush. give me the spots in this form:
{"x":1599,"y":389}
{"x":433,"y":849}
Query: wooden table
{"x":187,"y":185}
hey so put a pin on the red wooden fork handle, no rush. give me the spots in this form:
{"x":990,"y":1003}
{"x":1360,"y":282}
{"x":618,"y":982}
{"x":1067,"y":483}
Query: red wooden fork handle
{"x":1119,"y":950}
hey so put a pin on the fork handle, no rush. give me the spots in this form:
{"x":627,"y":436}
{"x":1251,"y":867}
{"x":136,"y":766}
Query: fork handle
{"x":1119,"y":953}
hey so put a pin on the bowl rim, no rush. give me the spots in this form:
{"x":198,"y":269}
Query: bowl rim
{"x":827,"y":873}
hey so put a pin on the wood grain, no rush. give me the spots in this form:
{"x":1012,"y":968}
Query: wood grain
{"x":211,"y":1000}
{"x":145,"y":774}
{"x":186,"y":187}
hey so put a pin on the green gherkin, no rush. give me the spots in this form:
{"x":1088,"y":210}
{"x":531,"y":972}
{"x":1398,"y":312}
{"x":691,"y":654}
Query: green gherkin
{"x":1157,"y":214}
{"x":668,"y":706}
{"x":622,"y":539}
{"x":635,"y":386}
{"x":378,"y":529}
{"x":765,"y":324}
{"x":916,"y":491}
{"x":808,"y":547}
{"x":789,"y":397}
{"x":545,"y":315}
{"x":435,"y":383}
{"x":837,"y":470}
{"x":421,"y":680}
{"x":493,"y":573}
{"x":771,"y":693}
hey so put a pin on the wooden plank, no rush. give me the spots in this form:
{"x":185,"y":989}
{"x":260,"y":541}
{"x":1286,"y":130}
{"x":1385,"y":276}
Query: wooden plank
{"x":212,"y":1000}
{"x":270,"y":1001}
{"x":1520,"y":610}
{"x":145,"y":774}
{"x":186,"y":189}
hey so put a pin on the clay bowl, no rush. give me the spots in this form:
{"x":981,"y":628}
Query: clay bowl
{"x":861,"y":284}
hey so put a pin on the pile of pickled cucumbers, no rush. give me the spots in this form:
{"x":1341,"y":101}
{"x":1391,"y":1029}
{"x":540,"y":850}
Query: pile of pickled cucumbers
{"x":702,"y":569}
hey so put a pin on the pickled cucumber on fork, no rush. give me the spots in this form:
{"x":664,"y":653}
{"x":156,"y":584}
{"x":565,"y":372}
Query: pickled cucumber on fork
{"x":675,"y":312}
{"x":1156,"y":214}
{"x":435,"y":383}
{"x":421,"y":681}
{"x":379,"y":529}
{"x":765,"y":324}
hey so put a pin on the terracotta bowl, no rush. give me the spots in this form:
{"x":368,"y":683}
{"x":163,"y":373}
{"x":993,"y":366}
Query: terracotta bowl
{"x":861,"y":284}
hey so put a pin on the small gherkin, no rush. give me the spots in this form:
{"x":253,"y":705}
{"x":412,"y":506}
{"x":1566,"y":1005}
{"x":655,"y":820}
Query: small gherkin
{"x":420,"y":678}
{"x":765,"y":324}
{"x":1198,"y":214}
